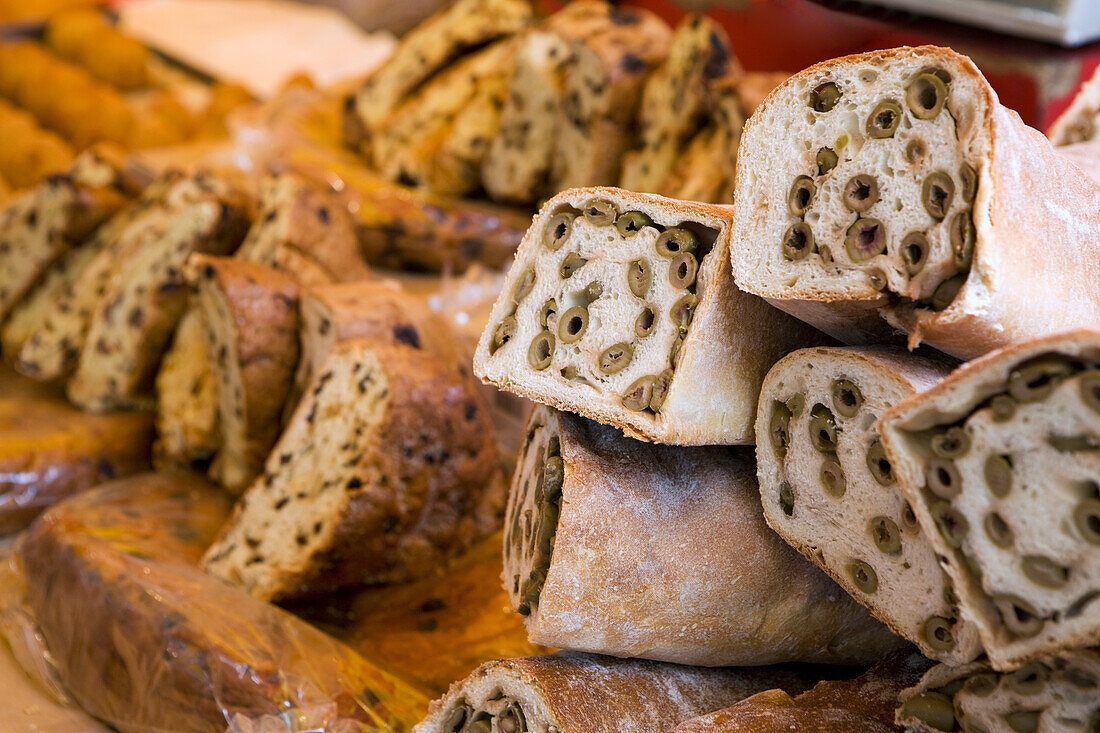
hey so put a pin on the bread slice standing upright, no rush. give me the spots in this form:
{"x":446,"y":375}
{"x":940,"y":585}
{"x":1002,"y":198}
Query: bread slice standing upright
{"x":251,"y":317}
{"x":1001,"y":463}
{"x":620,"y":307}
{"x":187,"y":397}
{"x":620,"y":547}
{"x":900,"y":186}
{"x":829,"y":490}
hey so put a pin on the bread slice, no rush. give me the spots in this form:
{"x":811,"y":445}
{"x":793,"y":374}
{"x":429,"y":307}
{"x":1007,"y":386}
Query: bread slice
{"x":1000,"y":462}
{"x":677,"y":101}
{"x":1053,"y":694}
{"x":1078,"y":123}
{"x":706,"y":168}
{"x":145,"y":296}
{"x":569,"y":692}
{"x":620,"y":307}
{"x":187,"y":398}
{"x":901,"y":186}
{"x":53,"y":342}
{"x":433,"y":45}
{"x":863,"y":704}
{"x":251,"y":317}
{"x":305,"y":231}
{"x":828,"y":488}
{"x":128,"y":619}
{"x":37,"y":228}
{"x":384,"y":471}
{"x":593,"y":517}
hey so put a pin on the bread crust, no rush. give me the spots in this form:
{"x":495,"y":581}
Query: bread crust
{"x":630,"y":512}
{"x":733,"y":340}
{"x":1035,"y":218}
{"x":960,"y":395}
{"x":571,"y":692}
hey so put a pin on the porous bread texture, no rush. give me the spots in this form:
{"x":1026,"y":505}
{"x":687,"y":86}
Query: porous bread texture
{"x":1077,"y":124}
{"x":432,"y":45}
{"x":593,"y":517}
{"x":37,"y":228}
{"x":571,"y":692}
{"x":386,"y":470}
{"x":570,"y":112}
{"x":187,"y":397}
{"x":53,"y":343}
{"x":729,"y":341}
{"x":1053,"y":694}
{"x":410,"y":146}
{"x":1010,"y":497}
{"x":1028,"y":219}
{"x":861,"y":516}
{"x":677,"y":101}
{"x":145,"y":295}
{"x":251,"y":317}
{"x":377,"y":310}
{"x":304,"y":231}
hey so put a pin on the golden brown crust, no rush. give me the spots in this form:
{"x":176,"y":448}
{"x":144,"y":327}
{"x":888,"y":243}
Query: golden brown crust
{"x":864,"y":704}
{"x":50,"y":451}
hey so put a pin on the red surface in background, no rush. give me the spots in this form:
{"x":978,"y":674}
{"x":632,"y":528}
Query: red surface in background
{"x":1036,"y":79}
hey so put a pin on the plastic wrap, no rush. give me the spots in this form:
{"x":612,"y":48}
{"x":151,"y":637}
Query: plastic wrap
{"x":143,"y":640}
{"x":49,"y":450}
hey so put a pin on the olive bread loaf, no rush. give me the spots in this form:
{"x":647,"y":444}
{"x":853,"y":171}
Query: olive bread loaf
{"x":1001,"y":463}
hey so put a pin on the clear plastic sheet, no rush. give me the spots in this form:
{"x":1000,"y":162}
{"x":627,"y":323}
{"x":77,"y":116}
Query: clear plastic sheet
{"x":102,"y":599}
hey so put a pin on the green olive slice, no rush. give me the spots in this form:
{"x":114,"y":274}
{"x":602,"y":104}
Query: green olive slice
{"x":951,"y":443}
{"x":798,"y":241}
{"x":1036,"y":378}
{"x":1000,"y":534}
{"x":1018,"y":616}
{"x":1029,"y":679}
{"x":937,"y":633}
{"x":672,"y":242}
{"x":934,"y":709}
{"x":826,"y":161}
{"x":925,"y":96}
{"x":1086,"y":516}
{"x":632,"y":222}
{"x":863,"y":575}
{"x":615,"y":358}
{"x":861,"y":192}
{"x":572,"y":324}
{"x":541,"y":351}
{"x":936,"y":194}
{"x":639,"y":394}
{"x":962,"y":235}
{"x":1044,"y":571}
{"x":639,"y":276}
{"x":951,"y":524}
{"x":943,"y":478}
{"x":503,"y":333}
{"x":832,"y":477}
{"x":886,"y":535}
{"x":558,"y":230}
{"x":646,"y":320}
{"x":847,"y":398}
{"x":879,"y":465}
{"x":946,"y":291}
{"x":682,"y":310}
{"x":823,"y":433}
{"x":914,"y":251}
{"x":779,"y":428}
{"x":660,"y":390}
{"x":571,"y":264}
{"x":824,"y":97}
{"x":865,"y":239}
{"x":682,"y":271}
{"x":968,"y":178}
{"x":600,"y":212}
{"x":884,"y":120}
{"x":801,"y":195}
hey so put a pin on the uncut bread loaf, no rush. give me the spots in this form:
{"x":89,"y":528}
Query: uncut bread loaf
{"x":678,"y":101}
{"x":571,"y":692}
{"x":570,"y":112}
{"x":620,"y":307}
{"x":146,"y":642}
{"x":864,"y":704}
{"x":438,"y":42}
{"x":594,"y":519}
{"x":1001,"y":464}
{"x":1054,"y":694}
{"x":187,"y":397}
{"x":386,"y":469}
{"x":40,"y":226}
{"x":828,"y":488}
{"x":904,"y":188}
{"x":251,"y":317}
{"x":145,"y":294}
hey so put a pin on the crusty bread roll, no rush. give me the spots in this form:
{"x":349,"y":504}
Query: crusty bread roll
{"x":463,"y":27}
{"x":1000,"y":462}
{"x":828,"y":488}
{"x":570,"y":112}
{"x":677,"y":101}
{"x":251,"y":317}
{"x":620,"y":307}
{"x":37,"y":228}
{"x":570,"y":692}
{"x":187,"y":398}
{"x":304,"y":231}
{"x":900,"y":186}
{"x":387,"y":469}
{"x":864,"y":704}
{"x":145,"y":295}
{"x":626,"y":548}
{"x":1053,"y":694}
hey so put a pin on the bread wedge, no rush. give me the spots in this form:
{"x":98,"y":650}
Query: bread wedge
{"x":1053,"y":694}
{"x":187,"y":398}
{"x":569,"y":692}
{"x":597,"y":530}
{"x":620,"y":307}
{"x":387,"y":469}
{"x":144,"y":295}
{"x":829,"y":490}
{"x":900,"y":187}
{"x":1001,"y":463}
{"x":251,"y":317}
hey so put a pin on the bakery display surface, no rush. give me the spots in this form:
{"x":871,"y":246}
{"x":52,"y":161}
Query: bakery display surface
{"x":573,"y":367}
